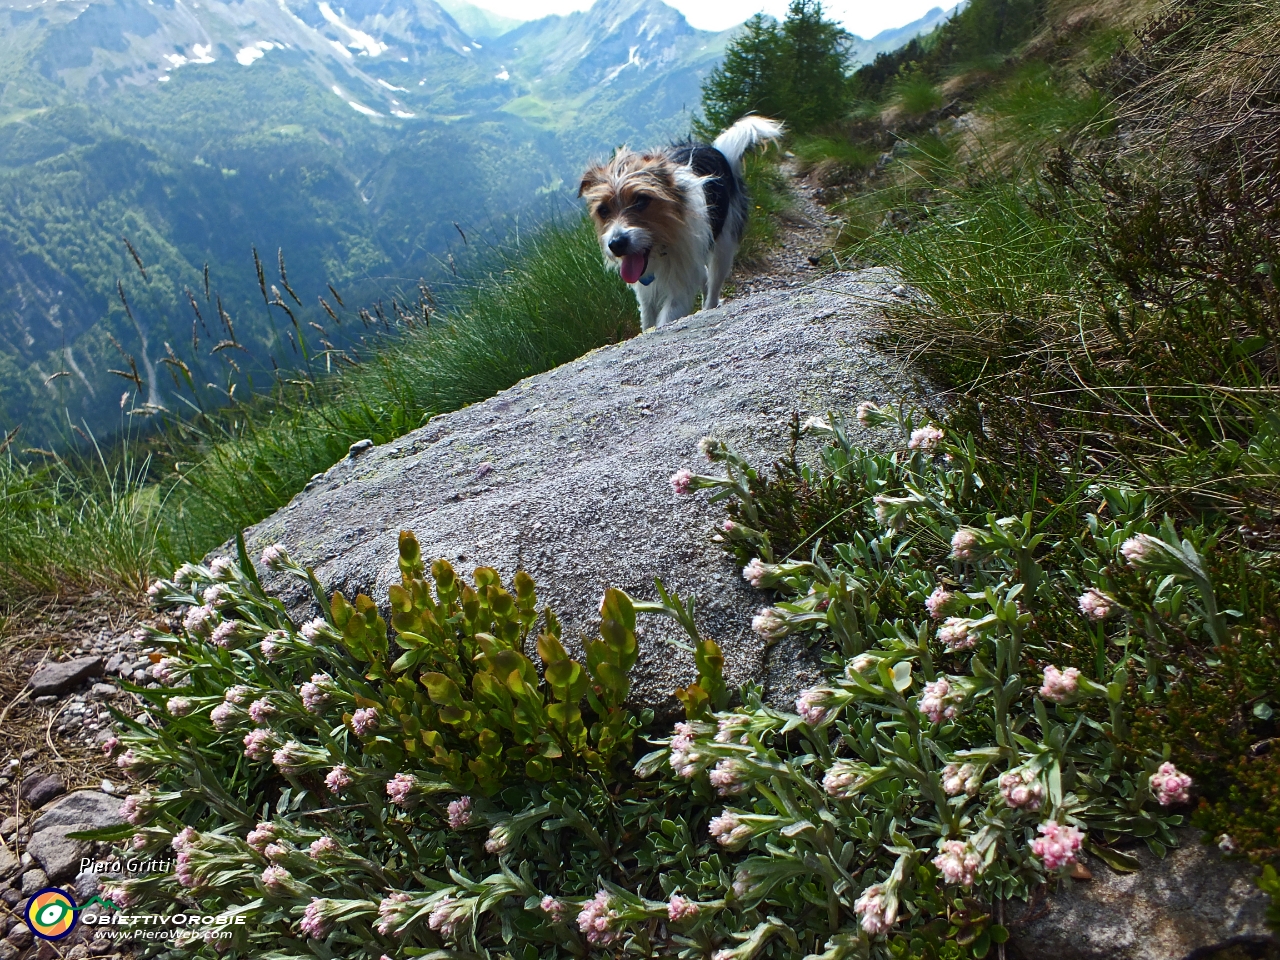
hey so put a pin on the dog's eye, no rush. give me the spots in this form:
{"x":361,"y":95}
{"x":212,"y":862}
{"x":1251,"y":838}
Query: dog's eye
{"x":602,"y":211}
{"x":641,"y":202}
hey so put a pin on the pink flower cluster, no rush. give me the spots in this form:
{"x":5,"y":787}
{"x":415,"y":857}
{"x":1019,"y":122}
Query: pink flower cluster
{"x":768,"y":624}
{"x":960,"y":778}
{"x":1170,"y":785}
{"x":940,"y":700}
{"x":199,"y":619}
{"x":680,"y":909}
{"x":290,"y":759}
{"x":729,"y":831}
{"x":1059,"y":685}
{"x":733,"y":728}
{"x":731,"y":777}
{"x":840,"y":780}
{"x":314,"y":923}
{"x":865,"y":411}
{"x":1058,"y":845}
{"x":314,"y":628}
{"x":391,"y":913}
{"x":957,"y":633}
{"x":964,"y":543}
{"x":237,"y":694}
{"x":552,"y":908}
{"x":400,"y":789}
{"x":226,"y":634}
{"x":184,"y":839}
{"x":222,"y":567}
{"x":323,"y":847}
{"x":260,"y":836}
{"x":1095,"y":605}
{"x":275,"y":556}
{"x":110,"y":744}
{"x":936,"y":602}
{"x":598,"y":920}
{"x":877,"y":911}
{"x":261,"y":711}
{"x":339,"y":778}
{"x":684,"y":760}
{"x":1140,"y":549}
{"x":314,"y":694}
{"x":460,"y":813}
{"x":166,"y":670}
{"x":224,"y":717}
{"x":814,"y":706}
{"x":184,"y":870}
{"x":755,"y":572}
{"x":134,"y":809}
{"x":259,"y":744}
{"x":364,"y":721}
{"x":958,"y":862}
{"x":682,"y":482}
{"x":275,"y":880}
{"x":1022,"y":789}
{"x":926,"y":439}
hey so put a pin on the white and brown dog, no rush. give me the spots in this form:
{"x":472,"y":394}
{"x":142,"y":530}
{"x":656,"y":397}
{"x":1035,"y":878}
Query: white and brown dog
{"x":670,"y":221}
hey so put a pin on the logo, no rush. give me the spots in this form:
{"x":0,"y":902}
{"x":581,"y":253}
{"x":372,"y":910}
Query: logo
{"x":52,"y":913}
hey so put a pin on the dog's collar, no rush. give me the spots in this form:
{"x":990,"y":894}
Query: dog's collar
{"x":646,"y":279}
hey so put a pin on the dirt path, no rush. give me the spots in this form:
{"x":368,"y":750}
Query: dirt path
{"x":804,"y":241}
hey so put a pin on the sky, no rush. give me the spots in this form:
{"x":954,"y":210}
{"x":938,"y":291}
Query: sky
{"x":866,"y":18}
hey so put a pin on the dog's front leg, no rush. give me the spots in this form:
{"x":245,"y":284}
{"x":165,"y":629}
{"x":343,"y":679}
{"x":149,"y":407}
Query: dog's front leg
{"x":680,"y":305}
{"x":648,"y":308}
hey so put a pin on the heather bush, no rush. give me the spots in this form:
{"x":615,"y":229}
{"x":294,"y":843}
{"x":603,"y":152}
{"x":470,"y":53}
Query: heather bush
{"x":424,"y":787}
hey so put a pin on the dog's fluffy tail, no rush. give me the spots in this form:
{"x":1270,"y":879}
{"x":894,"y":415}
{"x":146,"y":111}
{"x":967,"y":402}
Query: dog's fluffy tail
{"x":744,"y":135}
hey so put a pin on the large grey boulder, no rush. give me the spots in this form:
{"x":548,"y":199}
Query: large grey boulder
{"x":1188,"y":906}
{"x":567,"y":473}
{"x":53,"y":678}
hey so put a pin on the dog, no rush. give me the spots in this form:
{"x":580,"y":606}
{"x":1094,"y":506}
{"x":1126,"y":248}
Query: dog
{"x":670,"y":221}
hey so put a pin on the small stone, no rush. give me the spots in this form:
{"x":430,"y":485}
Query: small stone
{"x":8,"y":862}
{"x":78,"y":952}
{"x":87,"y":885}
{"x":40,"y":790}
{"x":48,"y":701}
{"x":8,"y":826}
{"x":103,"y":690}
{"x":20,"y":936}
{"x":46,"y":951}
{"x":34,"y":881}
{"x":8,"y":951}
{"x":139,"y":676}
{"x":55,"y":678}
{"x":11,"y":896}
{"x":359,"y":447}
{"x":114,"y":663}
{"x":107,"y":787}
{"x":98,"y":947}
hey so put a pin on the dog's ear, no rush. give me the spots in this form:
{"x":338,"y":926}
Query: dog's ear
{"x":592,"y":178}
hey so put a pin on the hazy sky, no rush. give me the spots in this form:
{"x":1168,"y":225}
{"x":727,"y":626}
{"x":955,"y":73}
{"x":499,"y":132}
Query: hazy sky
{"x":863,"y":17}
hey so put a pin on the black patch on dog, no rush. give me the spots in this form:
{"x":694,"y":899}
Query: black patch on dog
{"x":723,"y":187}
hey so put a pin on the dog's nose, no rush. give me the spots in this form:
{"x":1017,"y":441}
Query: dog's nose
{"x":618,"y":245}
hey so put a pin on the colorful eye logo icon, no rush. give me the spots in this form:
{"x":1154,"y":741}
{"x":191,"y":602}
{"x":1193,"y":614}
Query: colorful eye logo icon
{"x":51,"y":914}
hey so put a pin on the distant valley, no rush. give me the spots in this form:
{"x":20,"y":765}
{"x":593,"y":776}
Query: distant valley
{"x":364,"y":140}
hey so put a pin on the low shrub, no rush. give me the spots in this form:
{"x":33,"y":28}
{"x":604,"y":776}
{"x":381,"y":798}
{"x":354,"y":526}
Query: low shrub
{"x":435,"y":792}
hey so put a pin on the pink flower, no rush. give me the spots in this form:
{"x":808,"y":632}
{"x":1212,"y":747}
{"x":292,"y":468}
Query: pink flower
{"x":459,"y":812}
{"x":339,"y":778}
{"x":682,"y":481}
{"x":728,"y":526}
{"x":842,"y":780}
{"x":756,"y":571}
{"x":1169,"y":785}
{"x":684,"y":760}
{"x":958,"y":862}
{"x":215,"y":595}
{"x":768,"y":624}
{"x":119,"y":894}
{"x":198,"y":620}
{"x":323,"y":847}
{"x":1022,"y":789}
{"x":936,"y":603}
{"x":221,"y":567}
{"x":315,"y":629}
{"x":926,"y":439}
{"x":226,"y":634}
{"x":185,"y":872}
{"x":314,"y":695}
{"x":128,"y":761}
{"x":447,"y":917}
{"x":237,"y":694}
{"x":730,"y":777}
{"x":275,"y":880}
{"x":223,"y":717}
{"x":400,"y":789}
{"x":864,"y":413}
{"x":275,"y":557}
{"x":1059,"y":685}
{"x":1057,"y":846}
{"x":260,"y":836}
{"x":184,"y":839}
{"x":1140,"y":549}
{"x":262,"y":710}
{"x":814,"y":706}
{"x":134,"y":810}
{"x":960,"y":778}
{"x":166,"y":670}
{"x":139,"y":841}
{"x":728,"y":830}
{"x":314,"y":923}
{"x":597,"y":920}
{"x":1095,"y":605}
{"x":552,"y":908}
{"x":877,"y":912}
{"x":956,"y":634}
{"x":179,"y":706}
{"x":963,"y":544}
{"x":732,"y":728}
{"x":710,"y":447}
{"x":259,"y":744}
{"x":391,"y":913}
{"x":680,"y":909}
{"x":271,"y":647}
{"x":364,"y":721}
{"x":939,"y":700}
{"x":110,"y":744}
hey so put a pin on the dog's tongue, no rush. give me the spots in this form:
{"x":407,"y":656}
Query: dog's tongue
{"x":632,"y":267}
